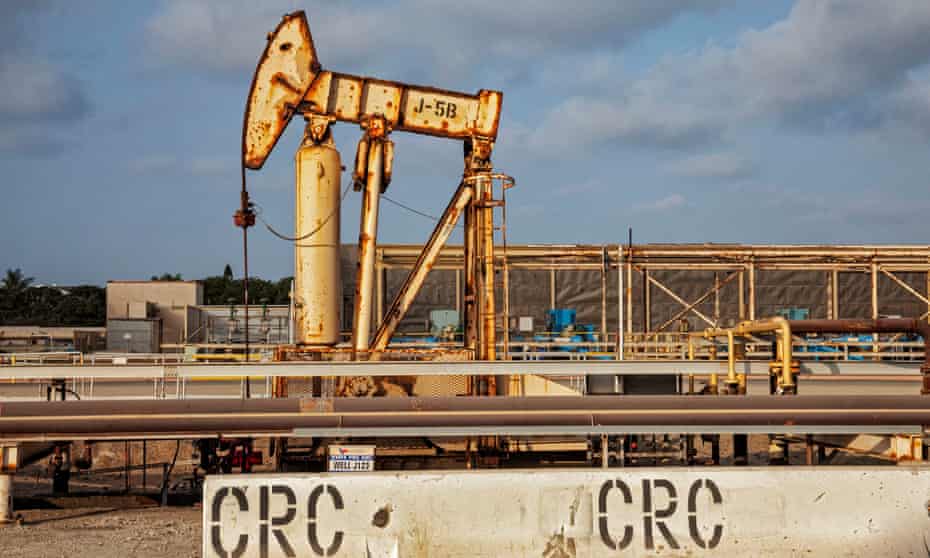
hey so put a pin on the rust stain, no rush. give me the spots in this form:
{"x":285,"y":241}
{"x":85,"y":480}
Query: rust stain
{"x":382,"y":517}
{"x":278,"y":85}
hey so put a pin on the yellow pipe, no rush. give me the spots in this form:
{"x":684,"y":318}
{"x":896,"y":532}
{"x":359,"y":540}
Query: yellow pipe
{"x":731,"y":362}
{"x":783,"y":354}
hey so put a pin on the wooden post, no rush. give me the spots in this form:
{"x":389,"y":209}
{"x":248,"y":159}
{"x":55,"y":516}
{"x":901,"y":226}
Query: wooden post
{"x":752,"y":290}
{"x":831,"y":315}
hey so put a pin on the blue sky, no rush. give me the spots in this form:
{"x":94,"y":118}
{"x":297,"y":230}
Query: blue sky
{"x":691,"y":121}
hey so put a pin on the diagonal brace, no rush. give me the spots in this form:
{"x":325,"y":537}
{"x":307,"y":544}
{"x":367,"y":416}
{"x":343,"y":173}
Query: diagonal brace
{"x":408,"y":292}
{"x":691,"y":307}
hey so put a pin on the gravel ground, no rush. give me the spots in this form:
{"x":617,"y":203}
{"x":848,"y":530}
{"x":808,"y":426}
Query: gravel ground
{"x":96,"y":532}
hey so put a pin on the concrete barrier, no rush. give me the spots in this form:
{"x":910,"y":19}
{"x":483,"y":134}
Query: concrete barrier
{"x":859,"y":511}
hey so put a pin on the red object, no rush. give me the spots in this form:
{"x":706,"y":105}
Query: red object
{"x":244,"y":219}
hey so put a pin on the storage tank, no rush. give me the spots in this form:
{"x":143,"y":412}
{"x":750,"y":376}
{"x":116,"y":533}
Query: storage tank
{"x":317,"y":278}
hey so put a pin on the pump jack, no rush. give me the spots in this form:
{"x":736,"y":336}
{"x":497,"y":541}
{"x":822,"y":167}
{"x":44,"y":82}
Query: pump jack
{"x":289,"y":80}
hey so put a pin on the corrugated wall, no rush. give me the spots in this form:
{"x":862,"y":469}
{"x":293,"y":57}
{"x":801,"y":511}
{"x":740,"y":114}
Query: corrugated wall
{"x":581,"y":290}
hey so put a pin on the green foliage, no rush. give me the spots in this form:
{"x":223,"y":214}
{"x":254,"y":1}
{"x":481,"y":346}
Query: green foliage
{"x":23,"y":304}
{"x":219,"y":289}
{"x":15,"y":282}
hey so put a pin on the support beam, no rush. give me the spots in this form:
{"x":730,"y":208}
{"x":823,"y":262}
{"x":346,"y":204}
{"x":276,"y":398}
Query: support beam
{"x":752,"y":290}
{"x":470,"y":299}
{"x":9,"y":461}
{"x":6,"y":498}
{"x":552,"y":288}
{"x":408,"y":291}
{"x":683,"y":302}
{"x":742,"y":295}
{"x":367,"y":240}
{"x":487,"y":336}
{"x":629,"y":291}
{"x":620,"y":290}
{"x":458,"y":292}
{"x":905,"y":286}
{"x":835,"y":279}
{"x":874,"y":276}
{"x":604,"y":266}
{"x":647,"y":300}
{"x":691,"y":307}
{"x":379,"y":289}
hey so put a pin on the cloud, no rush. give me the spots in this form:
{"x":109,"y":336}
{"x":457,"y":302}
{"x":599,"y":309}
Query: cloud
{"x":583,"y":121}
{"x":214,"y":166}
{"x":426,"y":41}
{"x":32,"y":142}
{"x":723,"y":165}
{"x":670,"y":202}
{"x":585,"y":188}
{"x":35,"y":89}
{"x":153,"y":164}
{"x":828,"y":65}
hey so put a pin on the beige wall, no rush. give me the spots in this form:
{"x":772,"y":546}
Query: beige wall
{"x":168,"y":300}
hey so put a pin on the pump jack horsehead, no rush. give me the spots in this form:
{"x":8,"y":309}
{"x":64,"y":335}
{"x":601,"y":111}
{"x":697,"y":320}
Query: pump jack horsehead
{"x":289,"y":80}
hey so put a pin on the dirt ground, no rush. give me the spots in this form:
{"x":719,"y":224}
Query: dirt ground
{"x":104,"y":532}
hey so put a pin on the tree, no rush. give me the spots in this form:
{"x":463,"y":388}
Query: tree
{"x":227,"y":273}
{"x":167,"y":277}
{"x":23,"y":304}
{"x":15,"y":282}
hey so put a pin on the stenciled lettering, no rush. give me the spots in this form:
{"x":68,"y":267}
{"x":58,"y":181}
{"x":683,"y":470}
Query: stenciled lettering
{"x":716,"y":498}
{"x":651,"y":516}
{"x":603,"y":514}
{"x":312,"y":534}
{"x":264,"y":511}
{"x":215,"y":519}
{"x":656,"y":532}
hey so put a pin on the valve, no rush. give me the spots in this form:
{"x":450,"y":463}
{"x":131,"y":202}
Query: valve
{"x":244,"y":217}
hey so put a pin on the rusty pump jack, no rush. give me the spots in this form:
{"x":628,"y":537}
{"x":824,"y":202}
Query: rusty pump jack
{"x":289,"y":80}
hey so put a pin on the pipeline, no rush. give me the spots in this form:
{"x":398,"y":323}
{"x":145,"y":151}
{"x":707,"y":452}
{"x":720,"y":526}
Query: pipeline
{"x":883,"y":325}
{"x":779,"y":325}
{"x":68,"y":420}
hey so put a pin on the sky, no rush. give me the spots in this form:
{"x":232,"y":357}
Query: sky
{"x":763,"y":121}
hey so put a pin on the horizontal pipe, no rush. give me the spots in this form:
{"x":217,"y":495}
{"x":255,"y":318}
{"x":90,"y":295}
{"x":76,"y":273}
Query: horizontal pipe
{"x":882,"y":325}
{"x":438,"y":368}
{"x":50,"y":420}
